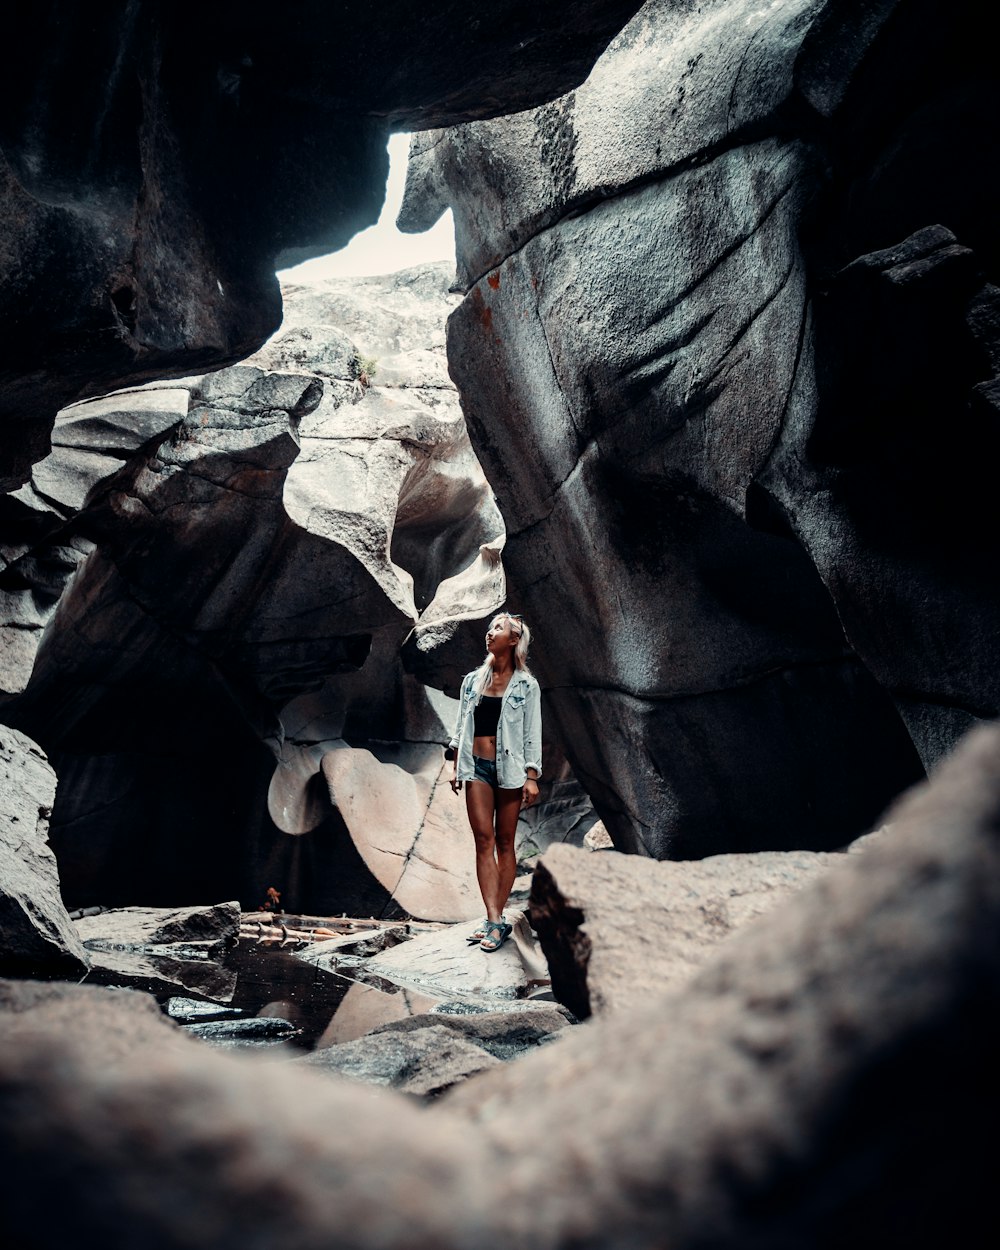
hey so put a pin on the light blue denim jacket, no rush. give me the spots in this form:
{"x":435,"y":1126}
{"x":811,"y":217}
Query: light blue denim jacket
{"x":519,"y":733}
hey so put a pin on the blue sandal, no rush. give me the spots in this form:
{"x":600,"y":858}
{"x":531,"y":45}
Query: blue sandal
{"x":497,"y":932}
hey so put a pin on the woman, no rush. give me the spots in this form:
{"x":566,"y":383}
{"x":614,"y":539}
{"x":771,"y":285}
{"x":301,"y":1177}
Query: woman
{"x":497,"y":753}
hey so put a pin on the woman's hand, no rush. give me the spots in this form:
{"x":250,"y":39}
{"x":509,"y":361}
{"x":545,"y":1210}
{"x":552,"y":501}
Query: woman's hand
{"x":529,"y":792}
{"x":456,"y":785}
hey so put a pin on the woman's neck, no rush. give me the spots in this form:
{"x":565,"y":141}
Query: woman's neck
{"x":502,"y":668}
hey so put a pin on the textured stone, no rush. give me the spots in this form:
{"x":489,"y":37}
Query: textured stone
{"x":743,"y":360}
{"x":259,"y":560}
{"x":158,"y":927}
{"x":789,"y":1095}
{"x":424,"y":1061}
{"x":615,"y":929}
{"x":35,"y":929}
{"x":503,"y":1034}
{"x":150,"y":181}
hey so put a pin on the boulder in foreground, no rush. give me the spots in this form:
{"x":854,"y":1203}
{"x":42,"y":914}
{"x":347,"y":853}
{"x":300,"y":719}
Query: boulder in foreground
{"x":824,"y":1081}
{"x":615,"y":928}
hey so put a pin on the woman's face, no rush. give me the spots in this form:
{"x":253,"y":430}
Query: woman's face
{"x":501,"y":636}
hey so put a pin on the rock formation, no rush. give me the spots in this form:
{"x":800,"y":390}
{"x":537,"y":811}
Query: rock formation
{"x":791,"y":1094}
{"x":723,"y":301}
{"x":251,"y":549}
{"x":616,"y":928}
{"x":35,"y":931}
{"x":156,"y":160}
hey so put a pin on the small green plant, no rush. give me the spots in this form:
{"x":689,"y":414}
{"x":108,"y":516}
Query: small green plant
{"x":363,"y":369}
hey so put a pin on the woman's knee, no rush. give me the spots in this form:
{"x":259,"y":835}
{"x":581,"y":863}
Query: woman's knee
{"x":504,"y":843}
{"x":485,"y":839}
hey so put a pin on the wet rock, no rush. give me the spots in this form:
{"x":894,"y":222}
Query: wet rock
{"x":253,"y":1033}
{"x":35,"y":929}
{"x":191,"y":1010}
{"x":503,"y":1034}
{"x":790,"y":1094}
{"x":350,"y":948}
{"x":616,"y":928}
{"x":425,"y":1061}
{"x":156,"y":928}
{"x":189,"y":969}
{"x":364,"y":1007}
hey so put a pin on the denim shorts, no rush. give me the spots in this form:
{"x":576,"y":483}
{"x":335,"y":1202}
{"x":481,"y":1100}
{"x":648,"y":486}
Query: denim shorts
{"x":485,"y":770}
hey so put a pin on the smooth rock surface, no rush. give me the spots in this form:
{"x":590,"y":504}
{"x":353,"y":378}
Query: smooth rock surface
{"x":789,"y":1095}
{"x":363,"y":1008}
{"x":746,"y":362}
{"x":615,"y":929}
{"x":443,"y":962}
{"x":266,"y":537}
{"x":35,"y":928}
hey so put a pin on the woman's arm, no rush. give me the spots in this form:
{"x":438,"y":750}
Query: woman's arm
{"x":532,"y":744}
{"x":533,"y":730}
{"x":452,"y":752}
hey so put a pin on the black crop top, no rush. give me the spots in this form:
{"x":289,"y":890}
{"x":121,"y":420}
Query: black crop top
{"x":487,"y":716}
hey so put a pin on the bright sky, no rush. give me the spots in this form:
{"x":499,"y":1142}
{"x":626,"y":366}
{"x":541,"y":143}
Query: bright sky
{"x":382,"y":248}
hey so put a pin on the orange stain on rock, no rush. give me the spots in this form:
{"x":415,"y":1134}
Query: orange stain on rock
{"x":494,"y":281}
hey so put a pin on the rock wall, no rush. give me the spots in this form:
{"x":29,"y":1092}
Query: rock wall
{"x":728,"y":356}
{"x":35,"y":930}
{"x":156,"y":160}
{"x":240,"y":557}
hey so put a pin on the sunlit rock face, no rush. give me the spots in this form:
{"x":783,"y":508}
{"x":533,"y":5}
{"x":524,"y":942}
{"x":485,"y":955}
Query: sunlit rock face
{"x":704,"y":355}
{"x":261,"y":541}
{"x":155,"y":160}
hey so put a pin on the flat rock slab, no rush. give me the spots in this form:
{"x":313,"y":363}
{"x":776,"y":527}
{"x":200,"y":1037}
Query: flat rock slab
{"x":424,"y":1061}
{"x":615,"y":928}
{"x":444,"y":963}
{"x":35,"y":928}
{"x":162,"y":926}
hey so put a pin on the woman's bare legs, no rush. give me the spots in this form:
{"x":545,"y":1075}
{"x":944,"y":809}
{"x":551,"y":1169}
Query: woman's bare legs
{"x":496,"y":863}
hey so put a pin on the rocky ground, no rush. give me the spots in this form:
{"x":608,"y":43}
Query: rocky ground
{"x":780,"y":1086}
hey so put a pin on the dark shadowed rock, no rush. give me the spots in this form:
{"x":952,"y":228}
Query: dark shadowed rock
{"x":151,"y":179}
{"x":790,"y":1095}
{"x":615,"y":928}
{"x":727,"y":355}
{"x":35,"y":929}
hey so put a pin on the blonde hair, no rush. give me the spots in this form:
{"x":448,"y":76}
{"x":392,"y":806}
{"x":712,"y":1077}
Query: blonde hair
{"x":485,"y":670}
